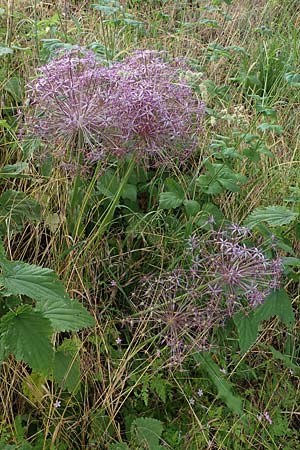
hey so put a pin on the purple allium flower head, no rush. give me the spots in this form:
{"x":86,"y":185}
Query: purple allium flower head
{"x":152,"y":108}
{"x":68,"y":99}
{"x":241,"y":273}
{"x":141,"y":105}
{"x":222,"y":276}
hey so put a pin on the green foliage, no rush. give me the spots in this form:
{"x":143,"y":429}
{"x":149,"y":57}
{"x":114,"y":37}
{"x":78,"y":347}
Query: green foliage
{"x":220,"y":178}
{"x":273,"y":215}
{"x":17,"y":207}
{"x":277,"y":303}
{"x":233,"y":402}
{"x":26,"y":332}
{"x":147,"y":432}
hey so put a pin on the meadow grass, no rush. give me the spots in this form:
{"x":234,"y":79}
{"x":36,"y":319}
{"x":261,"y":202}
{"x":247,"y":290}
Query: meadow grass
{"x":116,"y":233}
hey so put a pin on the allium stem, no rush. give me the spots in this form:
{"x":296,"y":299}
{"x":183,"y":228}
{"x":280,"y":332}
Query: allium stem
{"x":104,"y":222}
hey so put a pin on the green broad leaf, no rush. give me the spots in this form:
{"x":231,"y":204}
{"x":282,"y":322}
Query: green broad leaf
{"x":208,"y":186}
{"x":270,"y":127}
{"x":147,"y":432}
{"x":65,"y":314}
{"x":192,"y":207}
{"x":130,"y":192}
{"x":277,"y":303}
{"x":26,"y":334}
{"x":229,"y":184}
{"x":108,"y":184}
{"x":66,"y":367}
{"x":13,"y":170}
{"x":18,"y":206}
{"x":293,"y":78}
{"x":106,"y":10}
{"x":119,"y":446}
{"x":223,"y":386}
{"x":36,"y":282}
{"x":14,"y":86}
{"x":273,"y":215}
{"x":290,"y":261}
{"x":247,"y":327}
{"x":169,"y":200}
{"x":173,"y":186}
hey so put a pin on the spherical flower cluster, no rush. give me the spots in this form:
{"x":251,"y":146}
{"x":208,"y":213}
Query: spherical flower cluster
{"x":142,"y":104}
{"x":225,"y":276}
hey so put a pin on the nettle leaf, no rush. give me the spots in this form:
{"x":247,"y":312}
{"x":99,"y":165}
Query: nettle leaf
{"x":223,"y":386}
{"x":36,"y":282}
{"x":247,"y":327}
{"x":65,"y":314}
{"x":26,"y":334}
{"x":270,"y":127}
{"x":13,"y":170}
{"x":147,"y":432}
{"x":18,"y":206}
{"x":67,"y":366}
{"x":277,"y":303}
{"x":273,"y":215}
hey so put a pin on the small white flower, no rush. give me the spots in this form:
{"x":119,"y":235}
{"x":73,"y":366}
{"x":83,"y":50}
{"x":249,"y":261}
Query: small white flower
{"x":200,"y":392}
{"x":118,"y":341}
{"x":57,"y":404}
{"x":191,"y":401}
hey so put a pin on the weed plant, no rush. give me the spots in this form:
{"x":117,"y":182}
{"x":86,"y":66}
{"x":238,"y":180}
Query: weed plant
{"x":149,"y":225}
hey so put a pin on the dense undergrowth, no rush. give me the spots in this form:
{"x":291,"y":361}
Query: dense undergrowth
{"x":149,"y":225}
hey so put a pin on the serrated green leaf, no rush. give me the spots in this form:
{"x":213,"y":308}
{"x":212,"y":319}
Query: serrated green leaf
{"x":247,"y":327}
{"x":270,"y":127}
{"x":277,"y":303}
{"x":273,"y":215}
{"x":26,"y":334}
{"x":192,"y":207}
{"x":65,"y":314}
{"x":147,"y":432}
{"x":66,"y":367}
{"x":169,"y":200}
{"x":13,"y":170}
{"x":223,"y":386}
{"x":36,"y":282}
{"x":18,"y":206}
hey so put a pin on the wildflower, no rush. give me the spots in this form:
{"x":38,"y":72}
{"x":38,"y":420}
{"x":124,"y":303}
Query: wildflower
{"x":200,"y":393}
{"x":152,"y":108}
{"x":141,"y":105}
{"x":267,"y":417}
{"x":118,"y":340}
{"x":57,"y":404}
{"x":223,"y":276}
{"x":192,"y":401}
{"x":68,"y":99}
